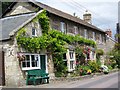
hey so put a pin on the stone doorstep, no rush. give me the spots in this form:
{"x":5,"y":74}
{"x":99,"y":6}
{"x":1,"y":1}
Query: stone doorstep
{"x":78,"y":77}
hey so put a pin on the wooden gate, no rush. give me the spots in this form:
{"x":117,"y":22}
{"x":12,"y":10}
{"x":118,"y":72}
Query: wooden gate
{"x":2,"y":70}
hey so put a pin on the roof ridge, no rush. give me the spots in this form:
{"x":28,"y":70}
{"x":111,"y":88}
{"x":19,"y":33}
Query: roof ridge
{"x":12,"y":16}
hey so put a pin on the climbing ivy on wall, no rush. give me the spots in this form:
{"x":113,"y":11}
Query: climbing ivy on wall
{"x":53,"y":41}
{"x":43,"y":20}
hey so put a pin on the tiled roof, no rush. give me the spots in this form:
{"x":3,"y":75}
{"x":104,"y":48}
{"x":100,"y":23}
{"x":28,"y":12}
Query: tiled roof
{"x":66,"y":16}
{"x":61,"y":14}
{"x":11,"y":23}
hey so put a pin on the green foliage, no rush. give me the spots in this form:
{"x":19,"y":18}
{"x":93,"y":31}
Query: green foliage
{"x":117,"y":58}
{"x":114,"y":56}
{"x":94,"y":66}
{"x":52,"y":40}
{"x":99,"y":52}
{"x":80,"y":57}
{"x":82,"y":69}
{"x":44,"y":21}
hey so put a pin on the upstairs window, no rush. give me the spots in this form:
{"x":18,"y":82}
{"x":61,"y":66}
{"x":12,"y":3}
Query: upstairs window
{"x":85,"y":33}
{"x":100,"y":39}
{"x":75,"y":30}
{"x":94,"y":36}
{"x":34,"y":32}
{"x":63,"y":27}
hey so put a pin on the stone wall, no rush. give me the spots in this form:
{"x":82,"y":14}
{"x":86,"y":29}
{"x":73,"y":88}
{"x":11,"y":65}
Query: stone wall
{"x":55,"y":24}
{"x":13,"y":74}
{"x":20,"y":8}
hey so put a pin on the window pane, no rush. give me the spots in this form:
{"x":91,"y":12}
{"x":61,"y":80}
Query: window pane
{"x":93,"y":35}
{"x":85,"y":33}
{"x":27,"y":57}
{"x":28,"y":64}
{"x":33,"y":32}
{"x":23,"y":64}
{"x":34,"y":64}
{"x":64,"y":56}
{"x":71,"y":55}
{"x":63,"y":27}
{"x":71,"y":64}
{"x":32,"y":57}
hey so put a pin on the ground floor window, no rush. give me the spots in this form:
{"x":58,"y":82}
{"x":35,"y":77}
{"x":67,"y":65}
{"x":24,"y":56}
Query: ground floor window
{"x":71,"y":64}
{"x":32,"y":61}
{"x":72,"y":59}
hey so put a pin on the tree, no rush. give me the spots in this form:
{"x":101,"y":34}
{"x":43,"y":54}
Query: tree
{"x":4,"y":6}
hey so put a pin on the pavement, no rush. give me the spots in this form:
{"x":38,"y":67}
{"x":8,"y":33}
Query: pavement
{"x":95,"y":81}
{"x":104,"y":81}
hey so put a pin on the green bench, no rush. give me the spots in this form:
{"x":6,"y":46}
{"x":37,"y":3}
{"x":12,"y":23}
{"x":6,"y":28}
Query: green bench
{"x":34,"y":75}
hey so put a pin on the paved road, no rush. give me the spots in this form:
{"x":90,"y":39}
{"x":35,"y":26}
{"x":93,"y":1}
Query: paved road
{"x":104,"y":81}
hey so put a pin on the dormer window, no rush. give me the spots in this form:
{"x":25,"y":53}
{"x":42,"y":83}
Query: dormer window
{"x":34,"y":32}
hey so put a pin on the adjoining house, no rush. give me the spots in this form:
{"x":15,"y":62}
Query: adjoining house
{"x":21,"y":15}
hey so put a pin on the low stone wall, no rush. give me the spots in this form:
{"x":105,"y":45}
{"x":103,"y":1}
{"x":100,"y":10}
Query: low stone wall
{"x":68,"y":79}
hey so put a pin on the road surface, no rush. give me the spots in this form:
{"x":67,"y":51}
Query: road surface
{"x":104,"y":81}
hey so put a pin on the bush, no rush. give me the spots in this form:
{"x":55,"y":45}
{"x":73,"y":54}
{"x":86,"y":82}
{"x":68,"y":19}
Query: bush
{"x":109,"y":67}
{"x":83,"y":69}
{"x":94,"y":66}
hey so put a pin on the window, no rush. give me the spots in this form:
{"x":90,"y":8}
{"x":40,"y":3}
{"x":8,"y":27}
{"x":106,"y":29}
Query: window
{"x":100,"y":40}
{"x":34,"y":32}
{"x":71,"y":64}
{"x":75,"y":30}
{"x":63,"y":27}
{"x":85,"y":33}
{"x":32,"y":61}
{"x":64,"y":57}
{"x":71,"y":54}
{"x":94,"y":36}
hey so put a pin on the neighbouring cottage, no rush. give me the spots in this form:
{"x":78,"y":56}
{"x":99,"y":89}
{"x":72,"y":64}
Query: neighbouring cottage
{"x":22,"y":15}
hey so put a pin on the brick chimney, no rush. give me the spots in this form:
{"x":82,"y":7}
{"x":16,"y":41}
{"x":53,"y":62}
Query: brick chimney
{"x":109,"y":32}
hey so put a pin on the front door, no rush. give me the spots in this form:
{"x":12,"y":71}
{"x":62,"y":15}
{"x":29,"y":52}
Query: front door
{"x":43,"y":62}
{"x":2,"y":70}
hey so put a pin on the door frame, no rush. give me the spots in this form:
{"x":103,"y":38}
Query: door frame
{"x":2,"y":77}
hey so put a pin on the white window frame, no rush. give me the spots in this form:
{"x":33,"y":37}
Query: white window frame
{"x":75,"y":28}
{"x":62,"y":27}
{"x":33,"y":28}
{"x":31,"y":68}
{"x":85,"y":33}
{"x":72,"y":60}
{"x":71,"y":68}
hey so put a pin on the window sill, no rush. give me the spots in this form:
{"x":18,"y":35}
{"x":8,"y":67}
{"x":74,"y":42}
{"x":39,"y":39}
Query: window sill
{"x":32,"y":68}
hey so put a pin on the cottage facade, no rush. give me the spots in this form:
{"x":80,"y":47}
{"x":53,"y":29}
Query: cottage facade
{"x":21,"y":15}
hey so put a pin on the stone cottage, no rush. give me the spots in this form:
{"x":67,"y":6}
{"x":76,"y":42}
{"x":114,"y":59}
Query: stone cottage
{"x":21,"y":15}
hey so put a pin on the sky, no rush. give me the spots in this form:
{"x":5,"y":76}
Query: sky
{"x":104,"y":12}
